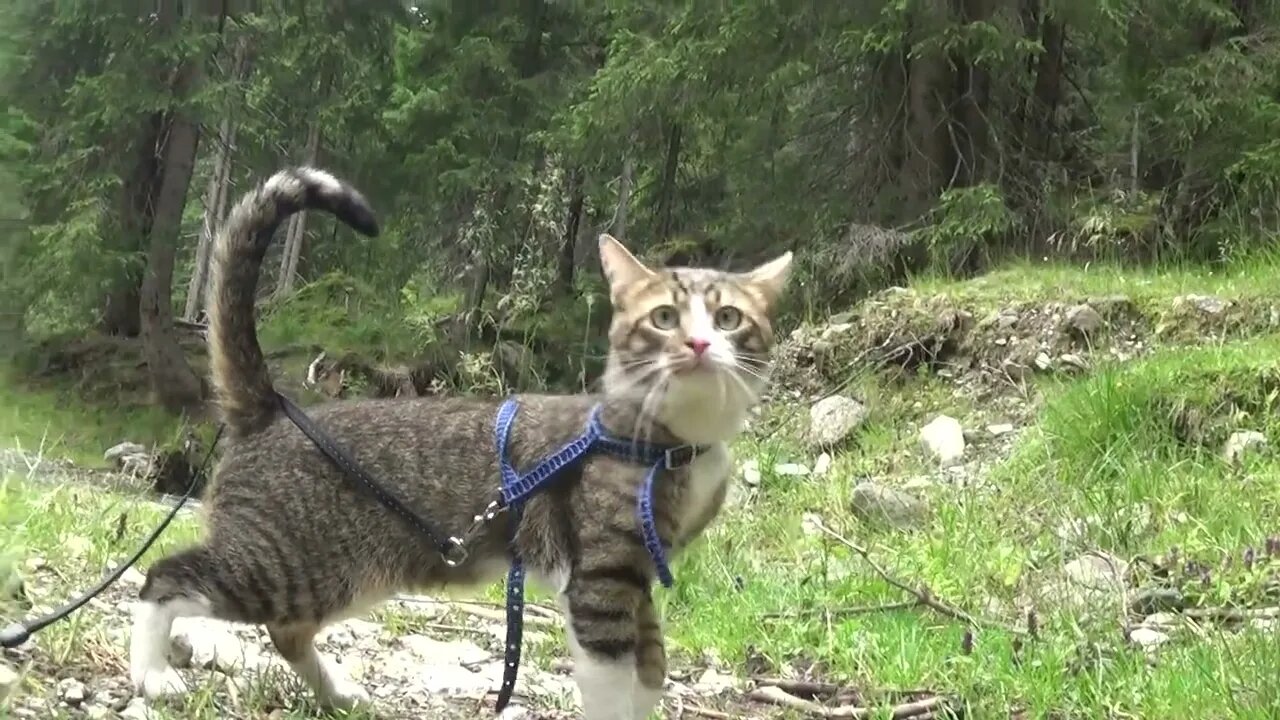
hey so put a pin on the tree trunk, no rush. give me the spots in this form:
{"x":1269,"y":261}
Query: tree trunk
{"x":138,"y":187}
{"x":297,"y":224}
{"x":569,"y":241}
{"x":217,"y":195}
{"x":175,"y":385}
{"x":973,"y":88}
{"x":666,"y":200}
{"x":929,"y":164}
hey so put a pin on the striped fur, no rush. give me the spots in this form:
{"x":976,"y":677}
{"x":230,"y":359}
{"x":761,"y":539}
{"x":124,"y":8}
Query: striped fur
{"x":290,"y":545}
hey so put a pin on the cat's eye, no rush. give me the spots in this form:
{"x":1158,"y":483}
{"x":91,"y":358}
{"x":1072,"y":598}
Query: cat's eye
{"x":664,"y":317}
{"x":728,"y":318}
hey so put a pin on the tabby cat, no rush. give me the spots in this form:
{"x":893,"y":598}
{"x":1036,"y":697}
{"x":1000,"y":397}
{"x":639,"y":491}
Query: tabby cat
{"x":290,"y":543}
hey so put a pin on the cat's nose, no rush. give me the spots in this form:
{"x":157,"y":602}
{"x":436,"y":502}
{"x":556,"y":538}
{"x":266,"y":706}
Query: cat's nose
{"x":698,"y":345}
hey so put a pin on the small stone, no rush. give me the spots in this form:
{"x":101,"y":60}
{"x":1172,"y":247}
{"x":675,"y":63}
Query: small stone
{"x":1093,"y":578}
{"x":1000,"y":429}
{"x":137,"y":710}
{"x":96,"y":712}
{"x":117,"y":453}
{"x":1162,"y":620}
{"x":809,"y":524}
{"x":1206,"y":304}
{"x":751,"y":472}
{"x":1147,"y":638}
{"x":943,"y":438}
{"x":790,"y":470}
{"x":9,"y":680}
{"x":833,"y":419}
{"x":876,"y":503}
{"x":73,"y":692}
{"x":1075,"y":361}
{"x":1242,"y":444}
{"x":822,"y":465}
{"x":1043,"y":362}
{"x":1001,"y":341}
{"x":1084,"y":322}
{"x":1007,"y":319}
{"x":713,"y":682}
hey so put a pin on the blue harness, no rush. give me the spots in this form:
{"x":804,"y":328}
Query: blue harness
{"x":517,"y":488}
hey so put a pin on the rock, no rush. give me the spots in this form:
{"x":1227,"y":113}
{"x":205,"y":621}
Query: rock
{"x":1043,"y":362}
{"x":73,"y":692}
{"x":712,"y":682}
{"x":943,"y":438}
{"x":809,"y":523}
{"x":1083,"y":322}
{"x":1242,"y":444}
{"x":751,"y":472}
{"x":118,"y":453}
{"x":9,"y":680}
{"x":137,"y":710}
{"x":822,"y":465}
{"x":1074,"y":361}
{"x":790,"y":470}
{"x":1094,"y":578}
{"x":1205,"y":304}
{"x":876,"y":503}
{"x":999,"y":429}
{"x":1156,"y":600}
{"x":96,"y":712}
{"x":1162,"y":620}
{"x":833,"y":419}
{"x":1147,"y":638}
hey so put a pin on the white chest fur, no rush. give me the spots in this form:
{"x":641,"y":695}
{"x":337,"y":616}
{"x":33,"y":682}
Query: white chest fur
{"x":708,"y":476}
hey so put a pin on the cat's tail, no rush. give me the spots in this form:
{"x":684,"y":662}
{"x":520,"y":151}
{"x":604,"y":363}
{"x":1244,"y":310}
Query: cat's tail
{"x":240,"y":379}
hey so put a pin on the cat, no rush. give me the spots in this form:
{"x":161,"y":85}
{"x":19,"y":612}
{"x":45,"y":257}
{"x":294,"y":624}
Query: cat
{"x":291,"y":544}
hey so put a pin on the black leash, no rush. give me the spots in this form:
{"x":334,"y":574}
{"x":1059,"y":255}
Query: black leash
{"x":451,"y":548}
{"x":19,"y":632}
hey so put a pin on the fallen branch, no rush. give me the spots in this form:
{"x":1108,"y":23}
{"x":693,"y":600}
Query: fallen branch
{"x":1232,"y":614}
{"x":842,"y":611}
{"x":924,"y":597}
{"x":918,"y":710}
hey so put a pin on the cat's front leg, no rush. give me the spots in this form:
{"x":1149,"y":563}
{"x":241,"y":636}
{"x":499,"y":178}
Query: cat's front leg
{"x":651,"y":660}
{"x":601,"y":607}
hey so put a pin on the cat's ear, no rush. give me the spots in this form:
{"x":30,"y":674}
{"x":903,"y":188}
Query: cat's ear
{"x":621,"y":268}
{"x":771,"y":277}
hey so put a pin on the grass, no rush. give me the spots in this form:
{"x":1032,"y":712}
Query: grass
{"x":1125,"y":460}
{"x":1102,"y":453}
{"x":1247,"y":278}
{"x":55,"y":423}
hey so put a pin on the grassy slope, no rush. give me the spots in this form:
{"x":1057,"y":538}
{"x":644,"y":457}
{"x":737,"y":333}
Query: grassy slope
{"x":1100,"y":454}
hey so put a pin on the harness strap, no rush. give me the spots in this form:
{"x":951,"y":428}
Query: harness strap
{"x":343,"y":461}
{"x":515,"y":575}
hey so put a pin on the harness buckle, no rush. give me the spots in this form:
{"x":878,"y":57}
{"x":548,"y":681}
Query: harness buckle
{"x":456,"y":552}
{"x":679,"y":456}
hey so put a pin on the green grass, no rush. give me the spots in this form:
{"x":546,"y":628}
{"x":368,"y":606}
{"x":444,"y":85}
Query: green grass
{"x":1101,"y":452}
{"x":52,"y":422}
{"x":1125,"y":460}
{"x":1246,"y":278}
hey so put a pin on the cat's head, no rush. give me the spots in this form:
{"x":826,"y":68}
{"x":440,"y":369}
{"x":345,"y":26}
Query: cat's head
{"x":691,"y":344}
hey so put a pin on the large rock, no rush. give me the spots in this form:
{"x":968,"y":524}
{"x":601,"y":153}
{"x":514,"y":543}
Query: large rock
{"x":833,"y":419}
{"x":943,"y":438}
{"x":1083,"y":322}
{"x":876,"y":503}
{"x":1242,"y":444}
{"x":1095,"y":579}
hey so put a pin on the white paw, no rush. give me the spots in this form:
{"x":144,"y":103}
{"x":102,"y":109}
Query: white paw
{"x":345,"y":694}
{"x":155,"y":684}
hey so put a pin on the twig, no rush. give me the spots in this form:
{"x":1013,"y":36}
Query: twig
{"x":843,"y":611}
{"x":1232,"y":615}
{"x":923,"y":595}
{"x":709,"y":713}
{"x":917,"y":710}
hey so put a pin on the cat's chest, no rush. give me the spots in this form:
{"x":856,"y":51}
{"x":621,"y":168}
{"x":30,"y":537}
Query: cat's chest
{"x":704,"y":488}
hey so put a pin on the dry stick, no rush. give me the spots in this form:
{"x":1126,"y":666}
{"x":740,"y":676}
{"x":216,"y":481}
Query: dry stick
{"x":918,"y":710}
{"x":923,"y":595}
{"x":842,"y":611}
